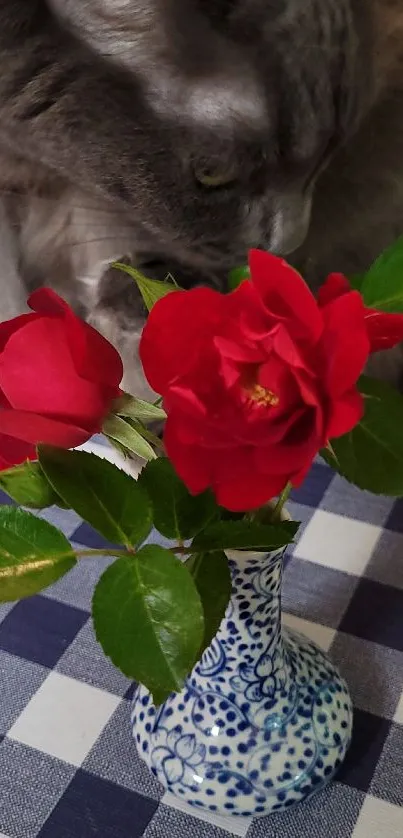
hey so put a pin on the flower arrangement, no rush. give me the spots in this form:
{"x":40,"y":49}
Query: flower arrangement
{"x":252,"y":385}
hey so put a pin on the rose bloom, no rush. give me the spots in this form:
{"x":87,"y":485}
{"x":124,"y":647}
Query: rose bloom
{"x":58,"y":379}
{"x":254,"y":382}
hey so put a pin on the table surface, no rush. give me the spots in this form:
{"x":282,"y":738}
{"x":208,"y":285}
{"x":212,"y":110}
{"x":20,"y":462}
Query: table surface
{"x":68,"y":766}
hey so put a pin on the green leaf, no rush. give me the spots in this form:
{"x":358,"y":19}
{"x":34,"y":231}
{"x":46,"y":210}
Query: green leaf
{"x":237,"y":275}
{"x":176,"y":513}
{"x":212,"y":577}
{"x":356,"y":282}
{"x":227,"y":515}
{"x":110,"y":500}
{"x":28,"y":486}
{"x":138,"y":409}
{"x":371,"y":455}
{"x":33,"y":554}
{"x":117,"y":429}
{"x":382,"y":287}
{"x":244,"y":535}
{"x":149,"y":619}
{"x":151,"y":290}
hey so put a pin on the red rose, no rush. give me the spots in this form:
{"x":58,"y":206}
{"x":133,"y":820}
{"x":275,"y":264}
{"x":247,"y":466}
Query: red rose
{"x":58,"y":379}
{"x":254,"y":382}
{"x":384,"y":330}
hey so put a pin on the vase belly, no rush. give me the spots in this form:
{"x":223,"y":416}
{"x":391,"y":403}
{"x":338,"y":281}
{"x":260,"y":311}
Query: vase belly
{"x":264,"y":720}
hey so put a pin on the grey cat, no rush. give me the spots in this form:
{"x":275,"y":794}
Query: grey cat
{"x":180,"y":133}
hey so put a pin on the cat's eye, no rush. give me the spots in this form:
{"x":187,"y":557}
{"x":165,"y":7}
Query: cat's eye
{"x":213,"y":177}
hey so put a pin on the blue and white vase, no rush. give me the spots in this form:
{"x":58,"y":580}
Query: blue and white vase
{"x":264,"y":720}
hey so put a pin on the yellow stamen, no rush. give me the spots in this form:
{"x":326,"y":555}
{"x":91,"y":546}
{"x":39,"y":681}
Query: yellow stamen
{"x":263,"y":397}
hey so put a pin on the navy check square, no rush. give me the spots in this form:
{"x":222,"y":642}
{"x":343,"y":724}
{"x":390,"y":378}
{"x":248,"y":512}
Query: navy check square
{"x":92,"y":806}
{"x":25,"y":630}
{"x":68,"y":765}
{"x":375,"y":613}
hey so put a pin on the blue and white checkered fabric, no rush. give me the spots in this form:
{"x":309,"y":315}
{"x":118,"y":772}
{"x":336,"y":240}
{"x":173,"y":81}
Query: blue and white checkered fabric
{"x":68,"y":766}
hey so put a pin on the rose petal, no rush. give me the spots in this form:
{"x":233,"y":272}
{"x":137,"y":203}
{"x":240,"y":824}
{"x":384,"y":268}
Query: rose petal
{"x":345,"y":414}
{"x":231,"y":372}
{"x":36,"y":429}
{"x":285,"y":294}
{"x":37,"y":374}
{"x":46,"y":301}
{"x":14,"y":451}
{"x":277,"y":378}
{"x":299,"y":476}
{"x":188,"y":402}
{"x":335,"y":286}
{"x":285,"y":347}
{"x":239,"y":350}
{"x":4,"y":402}
{"x":246,"y":315}
{"x":286,"y":457}
{"x":249,"y":493}
{"x":178,"y":329}
{"x":234,"y":463}
{"x":189,"y":461}
{"x":10,"y":326}
{"x":94,"y":358}
{"x":309,"y":388}
{"x":384,"y":330}
{"x":345,"y":342}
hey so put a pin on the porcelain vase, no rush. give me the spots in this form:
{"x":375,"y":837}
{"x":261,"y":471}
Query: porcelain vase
{"x":264,"y":720}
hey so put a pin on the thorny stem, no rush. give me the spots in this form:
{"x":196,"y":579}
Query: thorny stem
{"x":89,"y":554}
{"x":282,"y":499}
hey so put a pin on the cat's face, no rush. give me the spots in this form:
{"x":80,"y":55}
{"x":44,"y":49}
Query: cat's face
{"x":243,"y":102}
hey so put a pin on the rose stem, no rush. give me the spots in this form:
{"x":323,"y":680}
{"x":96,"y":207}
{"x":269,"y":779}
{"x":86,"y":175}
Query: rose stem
{"x":282,"y":499}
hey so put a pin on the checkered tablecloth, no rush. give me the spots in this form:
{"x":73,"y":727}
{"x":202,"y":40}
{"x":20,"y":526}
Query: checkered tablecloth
{"x":68,"y":766}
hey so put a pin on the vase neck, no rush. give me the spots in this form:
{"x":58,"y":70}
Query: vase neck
{"x":256,"y":599}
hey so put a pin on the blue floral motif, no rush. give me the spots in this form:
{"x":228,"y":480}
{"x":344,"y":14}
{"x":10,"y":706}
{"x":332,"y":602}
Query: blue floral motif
{"x":179,"y":758}
{"x":213,"y":660}
{"x":264,"y":720}
{"x":264,"y":680}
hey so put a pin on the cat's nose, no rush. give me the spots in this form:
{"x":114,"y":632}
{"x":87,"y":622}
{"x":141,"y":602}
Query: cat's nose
{"x":290,"y":224}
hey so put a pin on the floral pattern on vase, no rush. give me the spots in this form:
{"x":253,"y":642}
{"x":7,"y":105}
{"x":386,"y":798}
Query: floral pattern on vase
{"x":264,"y":720}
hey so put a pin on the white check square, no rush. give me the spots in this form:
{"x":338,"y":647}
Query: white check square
{"x":378,"y":819}
{"x":323,"y":636}
{"x":64,"y":718}
{"x":235,"y":826}
{"x":398,"y":717}
{"x":339,"y":543}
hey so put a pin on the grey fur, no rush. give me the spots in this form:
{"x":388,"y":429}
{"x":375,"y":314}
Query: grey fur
{"x":107,"y":107}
